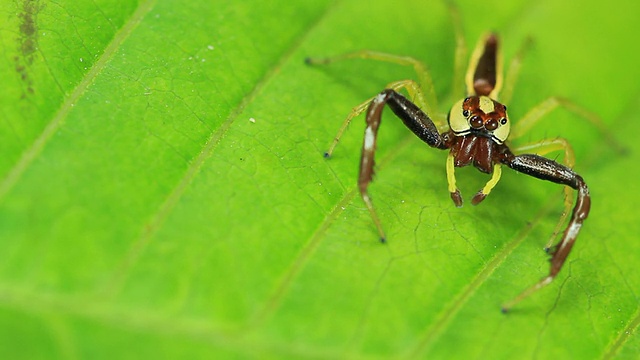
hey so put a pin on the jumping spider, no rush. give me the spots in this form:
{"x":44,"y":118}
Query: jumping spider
{"x":475,"y":132}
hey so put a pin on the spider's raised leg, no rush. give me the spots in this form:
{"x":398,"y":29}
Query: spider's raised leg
{"x":413,"y":117}
{"x":460,"y":56}
{"x":539,"y":111}
{"x":424,"y":78}
{"x":415,"y":93}
{"x":545,"y":169}
{"x":532,"y":117}
{"x":513,"y":72}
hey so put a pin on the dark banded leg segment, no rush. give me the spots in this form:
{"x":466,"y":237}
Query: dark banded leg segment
{"x":414,"y":118}
{"x":545,"y":169}
{"x":542,"y":148}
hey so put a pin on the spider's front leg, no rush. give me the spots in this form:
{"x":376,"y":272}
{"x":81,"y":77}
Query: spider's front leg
{"x":414,"y":118}
{"x":543,"y":168}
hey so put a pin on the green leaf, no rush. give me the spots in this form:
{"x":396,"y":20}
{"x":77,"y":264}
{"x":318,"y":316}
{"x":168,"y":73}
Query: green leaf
{"x":163,"y":191}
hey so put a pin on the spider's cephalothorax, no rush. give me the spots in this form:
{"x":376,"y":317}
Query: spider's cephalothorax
{"x":480,"y":127}
{"x":480,"y":124}
{"x":475,"y":132}
{"x":480,"y":116}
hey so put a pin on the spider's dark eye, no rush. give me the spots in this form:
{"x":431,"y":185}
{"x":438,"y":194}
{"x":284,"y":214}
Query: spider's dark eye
{"x":505,"y":107}
{"x":465,"y":113}
{"x":503,"y":121}
{"x":491,"y":125}
{"x":476,"y":122}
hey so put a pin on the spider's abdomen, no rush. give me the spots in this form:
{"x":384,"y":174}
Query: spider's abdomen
{"x":478,"y":150}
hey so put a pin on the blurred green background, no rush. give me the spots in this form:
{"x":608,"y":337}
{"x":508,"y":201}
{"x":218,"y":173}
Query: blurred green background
{"x":163,"y":192}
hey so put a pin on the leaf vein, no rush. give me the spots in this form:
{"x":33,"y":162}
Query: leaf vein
{"x":59,"y":118}
{"x":158,"y":218}
{"x":438,"y":326}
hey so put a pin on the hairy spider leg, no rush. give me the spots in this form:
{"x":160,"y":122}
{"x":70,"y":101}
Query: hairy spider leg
{"x":532,"y":117}
{"x":413,"y":117}
{"x":415,"y":93}
{"x":460,"y":54}
{"x":424,"y":77}
{"x":546,"y":106}
{"x":514,"y":72}
{"x":546,"y":169}
{"x":542,"y":148}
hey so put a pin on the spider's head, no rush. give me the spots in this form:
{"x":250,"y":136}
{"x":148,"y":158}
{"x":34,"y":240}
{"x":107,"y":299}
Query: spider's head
{"x":480,"y":115}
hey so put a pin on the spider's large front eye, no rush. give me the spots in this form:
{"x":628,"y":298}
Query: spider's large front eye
{"x":491,"y":125}
{"x":476,"y":122}
{"x":458,"y":120}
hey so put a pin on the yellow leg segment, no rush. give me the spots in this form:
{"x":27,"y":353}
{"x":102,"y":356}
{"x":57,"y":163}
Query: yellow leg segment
{"x":451,"y":179}
{"x":495,"y":177}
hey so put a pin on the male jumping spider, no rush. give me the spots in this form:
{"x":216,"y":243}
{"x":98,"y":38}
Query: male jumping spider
{"x":475,"y":132}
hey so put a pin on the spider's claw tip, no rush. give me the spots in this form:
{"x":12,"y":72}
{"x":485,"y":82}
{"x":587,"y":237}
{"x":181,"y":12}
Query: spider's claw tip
{"x":477,"y":198}
{"x":383,"y":240}
{"x":308,"y":61}
{"x":551,"y":250}
{"x":504,"y":309}
{"x":457,"y":198}
{"x":327,"y":155}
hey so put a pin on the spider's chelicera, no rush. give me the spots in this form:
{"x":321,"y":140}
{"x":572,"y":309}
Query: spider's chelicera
{"x":475,"y":132}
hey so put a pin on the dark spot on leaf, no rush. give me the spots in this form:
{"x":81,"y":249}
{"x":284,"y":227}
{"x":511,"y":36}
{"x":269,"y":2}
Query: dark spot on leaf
{"x":27,"y":42}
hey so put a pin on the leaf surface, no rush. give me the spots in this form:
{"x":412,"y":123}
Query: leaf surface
{"x":163,"y":191}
